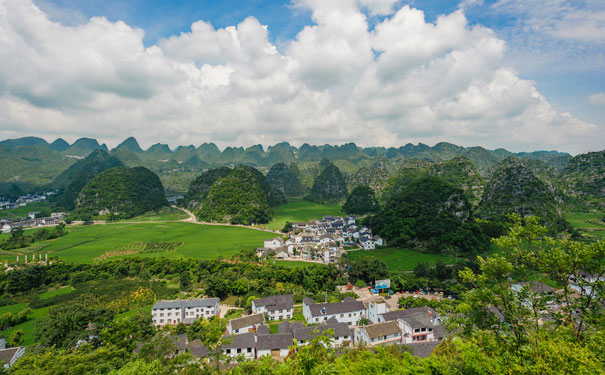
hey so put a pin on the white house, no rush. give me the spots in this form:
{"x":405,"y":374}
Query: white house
{"x":276,"y":345}
{"x":348,"y":311}
{"x":417,"y":323}
{"x":379,"y":334}
{"x":185,"y":311}
{"x":341,"y":334}
{"x":243,"y":345}
{"x":276,"y":307}
{"x":274,"y":243}
{"x":245,"y":324}
{"x":368,"y":244}
{"x":376,"y":307}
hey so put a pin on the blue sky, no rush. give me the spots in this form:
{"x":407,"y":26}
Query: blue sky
{"x":522,"y":74}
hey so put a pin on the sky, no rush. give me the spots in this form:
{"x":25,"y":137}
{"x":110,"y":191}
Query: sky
{"x":520,"y":74}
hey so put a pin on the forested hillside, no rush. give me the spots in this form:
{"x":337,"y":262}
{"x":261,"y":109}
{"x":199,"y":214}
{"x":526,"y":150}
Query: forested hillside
{"x":120,"y":193}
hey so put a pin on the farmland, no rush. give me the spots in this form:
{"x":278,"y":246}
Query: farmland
{"x":401,"y":259}
{"x":21,"y":212}
{"x":85,"y":244}
{"x":590,"y":224}
{"x":299,"y":210}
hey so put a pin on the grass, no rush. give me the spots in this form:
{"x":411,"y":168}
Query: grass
{"x":13,"y":309}
{"x":401,"y":259}
{"x":56,"y":292}
{"x":85,"y":243}
{"x":293,"y":263}
{"x":21,"y":212}
{"x":299,"y":210}
{"x":29,"y":326}
{"x":133,"y":312}
{"x":163,"y":214}
{"x":588,"y":223}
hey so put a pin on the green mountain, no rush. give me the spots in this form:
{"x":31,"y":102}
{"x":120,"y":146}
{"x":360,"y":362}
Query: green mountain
{"x":127,"y":157}
{"x":460,"y":172}
{"x":120,"y":193}
{"x":361,"y":201}
{"x":84,"y":146}
{"x":194,"y":163}
{"x":31,"y":165}
{"x":199,"y":188}
{"x":329,"y":186}
{"x":59,"y":145}
{"x":74,"y":178}
{"x":286,"y":179}
{"x":584,"y":175}
{"x":513,"y":188}
{"x":131,"y":144}
{"x":241,"y":197}
{"x":25,"y":141}
{"x":159,"y":150}
{"x":432,"y":214}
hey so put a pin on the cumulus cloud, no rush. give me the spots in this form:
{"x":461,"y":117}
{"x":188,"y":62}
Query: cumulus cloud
{"x":597,"y":99}
{"x":338,"y":81}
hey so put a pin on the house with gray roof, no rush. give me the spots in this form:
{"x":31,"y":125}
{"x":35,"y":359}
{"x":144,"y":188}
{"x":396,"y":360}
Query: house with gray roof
{"x":9,"y":356}
{"x":340,"y":333}
{"x":245,"y":324}
{"x":276,"y":345}
{"x":379,"y":334}
{"x":348,"y":311}
{"x":243,"y":344}
{"x":276,"y":307}
{"x":417,"y":323}
{"x":183,"y":310}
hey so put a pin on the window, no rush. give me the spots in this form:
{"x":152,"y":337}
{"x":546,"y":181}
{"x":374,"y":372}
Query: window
{"x":239,"y":350}
{"x":249,"y":350}
{"x":342,"y":315}
{"x":228,"y":351}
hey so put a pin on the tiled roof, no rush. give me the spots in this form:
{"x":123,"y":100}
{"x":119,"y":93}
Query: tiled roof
{"x":277,"y":302}
{"x":206,"y":302}
{"x":307,"y":333}
{"x":346,"y":306}
{"x":417,"y":317}
{"x":247,"y":321}
{"x":277,"y":341}
{"x":381,"y":329}
{"x":423,"y":349}
{"x":242,"y":340}
{"x":6,"y":355}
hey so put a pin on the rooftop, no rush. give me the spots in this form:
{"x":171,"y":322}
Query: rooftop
{"x":182,"y":303}
{"x":382,"y":329}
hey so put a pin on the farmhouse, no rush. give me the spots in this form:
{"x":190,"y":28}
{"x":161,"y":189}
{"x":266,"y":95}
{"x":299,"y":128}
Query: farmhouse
{"x":276,"y":307}
{"x":245,"y":324}
{"x":378,"y":334}
{"x":348,"y":311}
{"x":342,"y":335}
{"x":417,"y":324}
{"x":185,"y":311}
{"x":277,"y":345}
{"x":274,"y":243}
{"x":243,"y":344}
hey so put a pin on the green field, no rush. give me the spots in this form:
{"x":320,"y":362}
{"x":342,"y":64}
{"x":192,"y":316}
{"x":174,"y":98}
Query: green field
{"x":298,"y":210}
{"x":29,"y":326}
{"x":163,"y":214}
{"x":85,"y":243}
{"x":21,"y":212}
{"x":401,"y":259}
{"x":588,"y":223}
{"x":56,"y":292}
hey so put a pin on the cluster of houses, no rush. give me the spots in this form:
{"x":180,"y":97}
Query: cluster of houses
{"x":320,"y":240}
{"x":349,"y":322}
{"x":22,"y":201}
{"x":6,"y":225}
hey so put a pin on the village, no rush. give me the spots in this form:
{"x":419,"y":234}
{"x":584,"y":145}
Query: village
{"x":34,"y":218}
{"x":322,"y":241}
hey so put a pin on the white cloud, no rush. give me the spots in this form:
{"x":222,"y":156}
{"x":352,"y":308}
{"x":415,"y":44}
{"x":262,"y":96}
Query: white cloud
{"x":337,"y":81}
{"x":597,"y":99}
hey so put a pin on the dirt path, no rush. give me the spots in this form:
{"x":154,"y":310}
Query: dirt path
{"x":192,"y":219}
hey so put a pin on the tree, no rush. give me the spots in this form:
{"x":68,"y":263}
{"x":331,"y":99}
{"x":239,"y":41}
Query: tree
{"x":185,"y":281}
{"x":368,"y":269}
{"x":16,"y":338}
{"x":362,"y":200}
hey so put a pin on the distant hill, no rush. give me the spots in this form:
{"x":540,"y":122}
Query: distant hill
{"x":120,"y":193}
{"x":286,"y":179}
{"x":199,"y":188}
{"x":74,"y":178}
{"x":127,"y":157}
{"x":584,"y":175}
{"x":513,"y":188}
{"x":31,"y":165}
{"x":243,"y":196}
{"x":130,"y":144}
{"x":25,"y":141}
{"x":329,"y":186}
{"x":460,"y":172}
{"x":83,"y":147}
{"x":361,"y":201}
{"x":59,"y":144}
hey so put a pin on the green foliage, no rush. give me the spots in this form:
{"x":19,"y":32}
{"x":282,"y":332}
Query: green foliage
{"x":367,"y":269}
{"x":329,"y":186}
{"x":9,"y":319}
{"x":584,"y":175}
{"x":242,"y":197}
{"x":74,"y":178}
{"x":362,"y":200}
{"x":16,"y":338}
{"x":286,"y":179}
{"x":200,"y":187}
{"x":432,"y":214}
{"x":121,"y":193}
{"x":18,"y":240}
